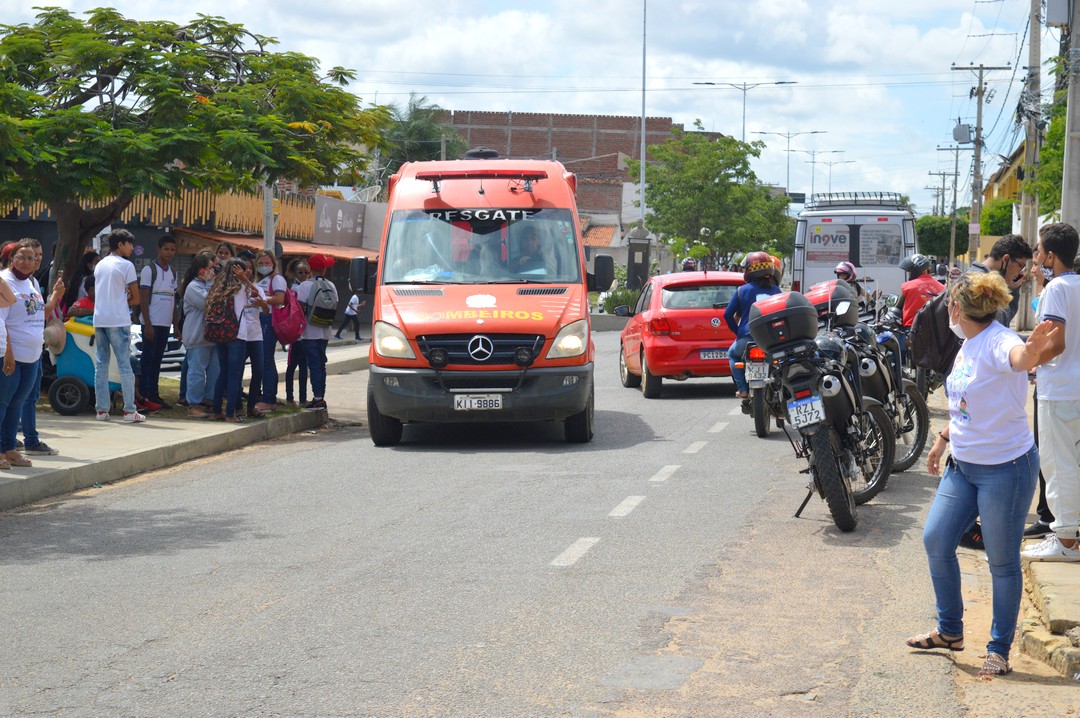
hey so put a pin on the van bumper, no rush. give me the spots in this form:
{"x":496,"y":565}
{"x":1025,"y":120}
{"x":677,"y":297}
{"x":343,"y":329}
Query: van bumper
{"x":538,"y":394}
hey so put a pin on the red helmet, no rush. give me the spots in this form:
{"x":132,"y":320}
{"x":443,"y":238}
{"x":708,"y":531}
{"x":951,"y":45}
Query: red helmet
{"x":778,"y":269}
{"x":758,"y":265}
{"x":845,"y":270}
{"x":689,"y":265}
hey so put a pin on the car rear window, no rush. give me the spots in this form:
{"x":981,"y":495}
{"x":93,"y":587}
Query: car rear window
{"x":697,"y":296}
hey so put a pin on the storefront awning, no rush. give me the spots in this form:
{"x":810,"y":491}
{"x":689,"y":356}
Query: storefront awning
{"x":290,"y":247}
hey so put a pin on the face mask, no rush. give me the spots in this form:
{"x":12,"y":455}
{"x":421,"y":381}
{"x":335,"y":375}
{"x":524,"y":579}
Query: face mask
{"x":956,"y":328}
{"x":1047,"y":273}
{"x":264,"y":270}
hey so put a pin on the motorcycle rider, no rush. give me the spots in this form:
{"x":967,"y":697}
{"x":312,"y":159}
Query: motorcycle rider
{"x":760,"y":278}
{"x":689,"y":265}
{"x":846,"y":271}
{"x":919,"y":288}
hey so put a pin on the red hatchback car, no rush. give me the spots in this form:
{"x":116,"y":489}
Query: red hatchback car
{"x":677,"y":330}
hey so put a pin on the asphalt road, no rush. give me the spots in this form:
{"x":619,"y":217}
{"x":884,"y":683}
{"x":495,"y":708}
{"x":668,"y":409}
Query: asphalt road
{"x":476,"y":571}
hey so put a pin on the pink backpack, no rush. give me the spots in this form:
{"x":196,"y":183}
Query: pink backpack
{"x":288,"y":320}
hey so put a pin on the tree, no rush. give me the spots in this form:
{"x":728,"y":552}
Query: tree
{"x":96,"y":111}
{"x":934,"y":232}
{"x":417,"y":132}
{"x":995,"y":219}
{"x":694,"y":183}
{"x":1046,"y":184}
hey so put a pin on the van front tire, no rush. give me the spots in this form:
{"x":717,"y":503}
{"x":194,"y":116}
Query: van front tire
{"x":579,"y":427}
{"x":385,"y":430}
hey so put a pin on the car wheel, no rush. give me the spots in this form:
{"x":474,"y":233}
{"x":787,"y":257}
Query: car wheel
{"x":650,"y":383}
{"x":630,"y":381}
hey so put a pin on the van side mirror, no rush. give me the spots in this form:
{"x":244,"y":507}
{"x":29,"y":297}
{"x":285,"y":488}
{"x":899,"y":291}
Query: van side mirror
{"x":603,"y":274}
{"x":358,"y":274}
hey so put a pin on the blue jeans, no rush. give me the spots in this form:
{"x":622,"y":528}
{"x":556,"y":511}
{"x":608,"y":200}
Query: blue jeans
{"x":297,"y":360}
{"x":1001,"y":495}
{"x":152,"y":354}
{"x":115,"y":340}
{"x":202,"y":374}
{"x":737,"y":353}
{"x":13,"y":392}
{"x":231,"y":359}
{"x":28,"y":419}
{"x":269,"y":366}
{"x":183,"y":374}
{"x":315,"y":349}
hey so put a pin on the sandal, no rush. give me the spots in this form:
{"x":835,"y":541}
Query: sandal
{"x":933,"y":639}
{"x":14,"y":458}
{"x":4,"y":465}
{"x":995,"y":665}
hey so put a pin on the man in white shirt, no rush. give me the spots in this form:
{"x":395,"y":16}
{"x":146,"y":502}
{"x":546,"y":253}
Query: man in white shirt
{"x":352,"y":316}
{"x":316,"y":336}
{"x":1058,"y":390}
{"x":157,"y":299}
{"x":115,"y":292}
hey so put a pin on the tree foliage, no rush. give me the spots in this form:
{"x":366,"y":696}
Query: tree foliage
{"x":95,"y":111}
{"x":694,"y":183}
{"x":416,"y":134}
{"x":933,"y":232}
{"x":995,"y":219}
{"x":1048,"y":177}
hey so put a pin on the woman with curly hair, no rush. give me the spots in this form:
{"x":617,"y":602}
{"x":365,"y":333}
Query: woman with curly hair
{"x":993,"y":468}
{"x":233,"y":289}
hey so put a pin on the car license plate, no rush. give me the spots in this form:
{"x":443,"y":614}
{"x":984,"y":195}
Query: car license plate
{"x":804,"y":412}
{"x":757,"y":371}
{"x":477,"y":402}
{"x":713,"y":354}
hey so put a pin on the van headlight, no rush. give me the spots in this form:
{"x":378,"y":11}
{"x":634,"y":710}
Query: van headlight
{"x":571,"y":341}
{"x":389,"y":341}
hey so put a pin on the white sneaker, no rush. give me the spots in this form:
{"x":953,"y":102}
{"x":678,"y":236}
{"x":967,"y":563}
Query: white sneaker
{"x":1051,"y":549}
{"x":102,"y":416}
{"x":133,"y":417}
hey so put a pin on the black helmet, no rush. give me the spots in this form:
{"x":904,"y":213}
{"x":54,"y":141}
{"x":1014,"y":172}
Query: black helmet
{"x":689,"y":265}
{"x":916,"y":264}
{"x":831,"y":347}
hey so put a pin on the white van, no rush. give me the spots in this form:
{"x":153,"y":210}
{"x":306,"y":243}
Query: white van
{"x":872,"y":230}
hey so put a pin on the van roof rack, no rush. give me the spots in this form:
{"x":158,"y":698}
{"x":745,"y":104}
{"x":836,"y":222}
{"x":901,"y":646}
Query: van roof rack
{"x":883,"y":200}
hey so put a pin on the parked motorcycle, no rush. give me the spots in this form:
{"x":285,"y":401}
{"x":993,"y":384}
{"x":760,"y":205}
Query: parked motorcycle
{"x":761,"y":404}
{"x":839,"y":434}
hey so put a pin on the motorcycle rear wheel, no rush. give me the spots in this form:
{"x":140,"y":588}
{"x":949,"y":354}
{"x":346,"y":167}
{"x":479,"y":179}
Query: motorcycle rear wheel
{"x":910,"y":445}
{"x":825,"y":445}
{"x":879,"y":443}
{"x":762,"y":415}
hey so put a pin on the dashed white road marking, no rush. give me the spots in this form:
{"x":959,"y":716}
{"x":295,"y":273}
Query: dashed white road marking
{"x":629,"y":504}
{"x":577,"y":549}
{"x":718,"y":427}
{"x":695,"y":447}
{"x":665,"y":473}
{"x":736,"y":411}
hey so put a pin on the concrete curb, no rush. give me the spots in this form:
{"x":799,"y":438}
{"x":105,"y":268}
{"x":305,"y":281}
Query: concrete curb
{"x":1053,"y":650}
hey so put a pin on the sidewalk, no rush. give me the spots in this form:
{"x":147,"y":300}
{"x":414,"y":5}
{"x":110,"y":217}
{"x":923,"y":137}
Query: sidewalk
{"x":94,"y":452}
{"x":1054,"y":593}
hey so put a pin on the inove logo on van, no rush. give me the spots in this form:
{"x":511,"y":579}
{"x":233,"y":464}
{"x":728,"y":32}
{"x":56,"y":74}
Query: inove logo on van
{"x":838,"y":235}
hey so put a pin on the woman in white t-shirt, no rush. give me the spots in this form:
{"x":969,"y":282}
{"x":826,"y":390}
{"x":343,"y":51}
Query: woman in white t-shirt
{"x":298,"y":273}
{"x":22,"y":313}
{"x":993,"y":469}
{"x":273,"y":286}
{"x":233,"y":284}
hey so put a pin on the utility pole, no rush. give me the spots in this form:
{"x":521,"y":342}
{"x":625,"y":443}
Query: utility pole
{"x":956,"y":181}
{"x":1031,"y":109}
{"x":1070,"y":180}
{"x":941,"y":194}
{"x":976,"y":181}
{"x":939,"y":197}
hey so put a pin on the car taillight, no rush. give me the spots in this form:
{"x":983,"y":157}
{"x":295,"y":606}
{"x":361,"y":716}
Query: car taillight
{"x":757,"y":354}
{"x":659,"y":326}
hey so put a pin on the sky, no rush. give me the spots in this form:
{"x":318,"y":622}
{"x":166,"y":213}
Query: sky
{"x":874,"y":81}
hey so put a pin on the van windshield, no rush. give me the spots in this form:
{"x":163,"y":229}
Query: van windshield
{"x":483,"y":245}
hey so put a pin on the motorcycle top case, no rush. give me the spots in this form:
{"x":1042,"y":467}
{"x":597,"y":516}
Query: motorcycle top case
{"x":782,"y":318}
{"x":827,"y":297}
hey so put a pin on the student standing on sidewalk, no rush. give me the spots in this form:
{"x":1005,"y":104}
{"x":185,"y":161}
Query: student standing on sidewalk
{"x":24,"y":321}
{"x":1058,"y":388}
{"x":32,"y":443}
{"x":115,"y":292}
{"x":233,"y":284}
{"x":201,"y":357}
{"x":297,"y":274}
{"x":273,"y":286}
{"x":157,"y":299}
{"x":352,"y":315}
{"x":993,"y":469}
{"x":316,"y":337}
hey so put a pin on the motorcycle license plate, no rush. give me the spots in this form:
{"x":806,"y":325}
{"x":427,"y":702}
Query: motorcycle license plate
{"x":712,"y":354}
{"x":477,"y":402}
{"x":757,"y":371}
{"x":804,"y":412}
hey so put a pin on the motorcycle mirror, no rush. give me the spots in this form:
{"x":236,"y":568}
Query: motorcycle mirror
{"x":842,"y":308}
{"x":891,"y":300}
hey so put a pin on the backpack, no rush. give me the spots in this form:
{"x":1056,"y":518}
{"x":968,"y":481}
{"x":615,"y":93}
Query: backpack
{"x":322,"y":303}
{"x":288,"y":320}
{"x":930,"y":343}
{"x":222,"y":324}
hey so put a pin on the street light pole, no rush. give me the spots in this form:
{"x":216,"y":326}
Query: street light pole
{"x":836,"y":162}
{"x":789,"y":135}
{"x":813,"y":163}
{"x":745,"y":87}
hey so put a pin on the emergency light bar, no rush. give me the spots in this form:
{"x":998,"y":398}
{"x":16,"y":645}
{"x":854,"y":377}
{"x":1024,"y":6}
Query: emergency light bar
{"x":437,"y":176}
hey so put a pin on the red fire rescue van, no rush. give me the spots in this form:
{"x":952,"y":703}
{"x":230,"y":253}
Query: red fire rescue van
{"x":481,"y":308}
